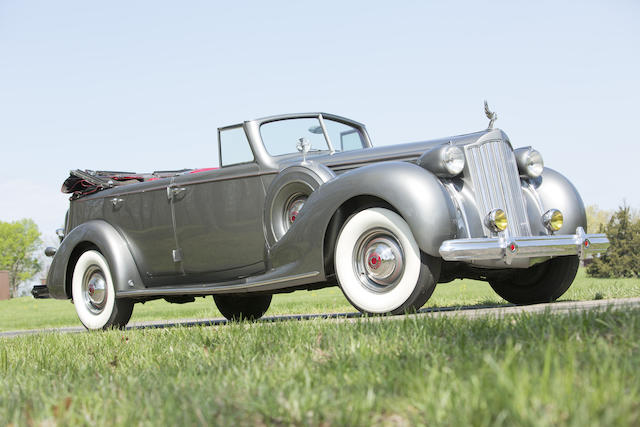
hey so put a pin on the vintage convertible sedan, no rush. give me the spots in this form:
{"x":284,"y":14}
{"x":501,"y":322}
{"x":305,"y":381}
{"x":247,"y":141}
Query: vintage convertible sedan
{"x":304,"y":201}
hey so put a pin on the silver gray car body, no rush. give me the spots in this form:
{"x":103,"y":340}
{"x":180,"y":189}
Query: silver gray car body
{"x":211,"y":232}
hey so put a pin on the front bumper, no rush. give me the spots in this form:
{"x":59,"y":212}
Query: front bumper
{"x":509,"y":249}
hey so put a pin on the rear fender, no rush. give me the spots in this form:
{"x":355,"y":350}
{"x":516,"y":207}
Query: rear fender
{"x":93,"y":234}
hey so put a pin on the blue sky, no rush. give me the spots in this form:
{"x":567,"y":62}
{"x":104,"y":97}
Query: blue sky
{"x":143,"y":85}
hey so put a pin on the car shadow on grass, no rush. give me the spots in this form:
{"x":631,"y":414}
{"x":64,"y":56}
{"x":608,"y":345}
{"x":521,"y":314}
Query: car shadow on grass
{"x":300,"y":317}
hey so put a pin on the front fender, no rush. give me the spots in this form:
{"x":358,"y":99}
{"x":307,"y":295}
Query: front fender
{"x":414,"y":192}
{"x":109,"y":242}
{"x":557,"y":192}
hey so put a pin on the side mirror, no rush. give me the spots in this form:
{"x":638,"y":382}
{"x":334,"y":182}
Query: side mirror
{"x":316,"y":130}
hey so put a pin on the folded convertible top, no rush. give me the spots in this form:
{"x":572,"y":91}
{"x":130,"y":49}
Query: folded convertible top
{"x":84,"y":182}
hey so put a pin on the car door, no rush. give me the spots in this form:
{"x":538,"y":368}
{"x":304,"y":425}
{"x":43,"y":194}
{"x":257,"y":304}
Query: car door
{"x":219,"y":216}
{"x":143,"y":216}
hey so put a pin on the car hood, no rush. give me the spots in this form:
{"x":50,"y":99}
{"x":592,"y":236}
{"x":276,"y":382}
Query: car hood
{"x":403,"y":152}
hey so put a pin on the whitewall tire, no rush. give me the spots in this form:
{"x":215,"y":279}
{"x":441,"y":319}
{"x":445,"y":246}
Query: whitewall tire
{"x":94,"y":295}
{"x":379,"y":265}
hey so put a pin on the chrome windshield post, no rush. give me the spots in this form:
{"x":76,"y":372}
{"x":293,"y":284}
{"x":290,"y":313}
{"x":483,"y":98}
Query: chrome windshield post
{"x":326,"y":134}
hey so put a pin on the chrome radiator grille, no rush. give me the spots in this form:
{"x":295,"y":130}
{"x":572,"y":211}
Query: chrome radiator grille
{"x":496,"y":181}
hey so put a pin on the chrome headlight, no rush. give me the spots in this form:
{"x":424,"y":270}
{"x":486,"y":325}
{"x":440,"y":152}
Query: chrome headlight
{"x":446,"y":161}
{"x":529,"y":162}
{"x":453,"y":160}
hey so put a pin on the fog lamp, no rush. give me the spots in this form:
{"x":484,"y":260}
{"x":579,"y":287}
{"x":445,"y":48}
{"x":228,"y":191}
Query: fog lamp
{"x":553,"y":219}
{"x":496,"y":220}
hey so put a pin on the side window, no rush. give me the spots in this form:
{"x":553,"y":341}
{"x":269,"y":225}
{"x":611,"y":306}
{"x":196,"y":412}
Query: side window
{"x":234,"y":147}
{"x":344,"y":137}
{"x":350,"y":140}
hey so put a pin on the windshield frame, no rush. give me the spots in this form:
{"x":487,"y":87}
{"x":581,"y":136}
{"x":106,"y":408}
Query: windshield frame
{"x":329,"y":148}
{"x":269,"y":162}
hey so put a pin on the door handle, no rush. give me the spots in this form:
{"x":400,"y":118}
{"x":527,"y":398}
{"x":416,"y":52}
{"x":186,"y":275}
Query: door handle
{"x":116,"y":202}
{"x":173,"y":192}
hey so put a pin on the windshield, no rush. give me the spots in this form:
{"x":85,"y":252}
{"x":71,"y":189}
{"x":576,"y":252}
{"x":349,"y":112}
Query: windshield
{"x":280,"y":137}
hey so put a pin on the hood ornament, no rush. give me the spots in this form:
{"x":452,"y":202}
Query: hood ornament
{"x":490,"y":115}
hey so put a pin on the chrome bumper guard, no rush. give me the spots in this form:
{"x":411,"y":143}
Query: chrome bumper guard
{"x":507,"y":249}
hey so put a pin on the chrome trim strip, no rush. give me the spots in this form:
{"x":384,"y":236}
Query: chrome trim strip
{"x":210,"y":289}
{"x":163,"y":187}
{"x":246,"y":175}
{"x":357,"y":163}
{"x":498,"y":248}
{"x":457,"y":201}
{"x":528,"y":186}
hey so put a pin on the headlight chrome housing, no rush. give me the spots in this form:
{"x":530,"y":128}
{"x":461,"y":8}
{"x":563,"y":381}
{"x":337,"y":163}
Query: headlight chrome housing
{"x":530,"y":163}
{"x":453,"y":160}
{"x":445,"y":161}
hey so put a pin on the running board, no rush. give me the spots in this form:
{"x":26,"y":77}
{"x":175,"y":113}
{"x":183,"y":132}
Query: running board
{"x":217,"y":288}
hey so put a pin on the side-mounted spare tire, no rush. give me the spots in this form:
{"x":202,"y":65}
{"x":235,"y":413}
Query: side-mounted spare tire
{"x":288,"y":193}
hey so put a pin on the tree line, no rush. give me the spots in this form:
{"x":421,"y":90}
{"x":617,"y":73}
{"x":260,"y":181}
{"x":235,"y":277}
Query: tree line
{"x":19,"y":244}
{"x":623,"y":231}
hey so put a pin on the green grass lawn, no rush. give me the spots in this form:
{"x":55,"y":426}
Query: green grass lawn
{"x":27,"y":313}
{"x":578,"y":369}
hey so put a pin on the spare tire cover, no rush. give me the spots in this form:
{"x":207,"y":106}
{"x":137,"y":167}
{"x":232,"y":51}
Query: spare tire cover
{"x":292,"y":182}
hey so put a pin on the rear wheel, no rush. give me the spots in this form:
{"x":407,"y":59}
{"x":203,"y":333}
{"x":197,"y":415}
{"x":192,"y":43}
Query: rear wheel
{"x":94,"y":295}
{"x":541,"y":283}
{"x":379,"y":265}
{"x":242,"y":307}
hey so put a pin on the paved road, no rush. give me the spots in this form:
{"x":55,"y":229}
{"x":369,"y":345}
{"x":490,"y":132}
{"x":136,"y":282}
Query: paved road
{"x":471,"y":312}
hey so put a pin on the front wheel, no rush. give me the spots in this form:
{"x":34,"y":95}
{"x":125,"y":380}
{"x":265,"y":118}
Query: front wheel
{"x":545,"y":282}
{"x":94,"y":295}
{"x":379,"y":265}
{"x":242,"y":307}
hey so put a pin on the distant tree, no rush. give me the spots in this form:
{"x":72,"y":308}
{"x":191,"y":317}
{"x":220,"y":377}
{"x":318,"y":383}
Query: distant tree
{"x":597,"y":218}
{"x":623,"y":257}
{"x":19,"y":241}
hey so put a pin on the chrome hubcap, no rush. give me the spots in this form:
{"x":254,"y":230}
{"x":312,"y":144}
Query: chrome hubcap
{"x":94,"y":290}
{"x":379,"y":261}
{"x":293,"y":208}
